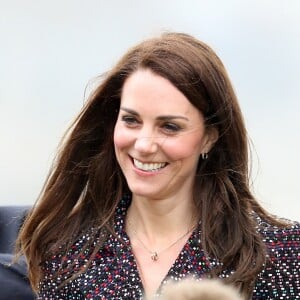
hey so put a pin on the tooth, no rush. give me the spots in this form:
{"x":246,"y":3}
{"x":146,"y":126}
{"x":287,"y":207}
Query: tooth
{"x":148,"y":167}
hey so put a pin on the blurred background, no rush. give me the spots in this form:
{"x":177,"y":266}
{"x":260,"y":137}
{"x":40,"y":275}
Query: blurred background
{"x":51,"y":50}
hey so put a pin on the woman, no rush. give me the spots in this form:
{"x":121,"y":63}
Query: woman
{"x":152,"y":184}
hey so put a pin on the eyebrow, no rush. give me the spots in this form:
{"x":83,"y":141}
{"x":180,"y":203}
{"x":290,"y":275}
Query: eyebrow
{"x":161,"y":118}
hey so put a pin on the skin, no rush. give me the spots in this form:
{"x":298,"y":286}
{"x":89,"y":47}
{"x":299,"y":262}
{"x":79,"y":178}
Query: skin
{"x":158,"y":138}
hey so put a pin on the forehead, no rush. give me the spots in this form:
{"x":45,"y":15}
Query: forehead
{"x":148,"y":92}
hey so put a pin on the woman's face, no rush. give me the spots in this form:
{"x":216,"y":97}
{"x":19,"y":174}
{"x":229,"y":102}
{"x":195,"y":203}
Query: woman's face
{"x":158,"y":137}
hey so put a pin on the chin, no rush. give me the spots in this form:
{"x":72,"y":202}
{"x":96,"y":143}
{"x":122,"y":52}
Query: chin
{"x":143,"y":193}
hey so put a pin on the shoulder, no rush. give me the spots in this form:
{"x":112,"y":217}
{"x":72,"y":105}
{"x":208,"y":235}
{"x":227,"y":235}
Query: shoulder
{"x":282,"y":242}
{"x":72,"y":268}
{"x":285,"y":237}
{"x":280,"y":274}
{"x":73,"y":253}
{"x":61,"y":266}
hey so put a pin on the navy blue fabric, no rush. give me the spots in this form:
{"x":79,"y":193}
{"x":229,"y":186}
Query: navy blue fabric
{"x":11,"y":219}
{"x":14,"y":283}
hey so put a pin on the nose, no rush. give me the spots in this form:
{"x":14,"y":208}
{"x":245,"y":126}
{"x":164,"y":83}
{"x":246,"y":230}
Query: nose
{"x":146,"y":144}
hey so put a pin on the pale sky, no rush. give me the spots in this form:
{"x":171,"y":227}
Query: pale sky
{"x":50,"y":50}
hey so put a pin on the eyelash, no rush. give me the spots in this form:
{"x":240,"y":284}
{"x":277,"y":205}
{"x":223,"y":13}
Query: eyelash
{"x":171,"y":127}
{"x":168,"y":127}
{"x":130,"y":120}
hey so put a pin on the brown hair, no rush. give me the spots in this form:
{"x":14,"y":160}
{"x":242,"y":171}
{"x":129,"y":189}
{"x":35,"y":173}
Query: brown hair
{"x":85,"y":183}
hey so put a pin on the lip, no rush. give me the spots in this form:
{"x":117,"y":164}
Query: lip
{"x":144,"y":172}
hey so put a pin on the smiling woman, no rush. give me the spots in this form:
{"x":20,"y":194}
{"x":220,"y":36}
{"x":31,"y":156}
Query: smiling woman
{"x":151,"y":185}
{"x":158,"y":141}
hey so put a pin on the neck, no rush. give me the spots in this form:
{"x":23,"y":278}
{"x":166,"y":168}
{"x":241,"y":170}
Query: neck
{"x":160,"y":221}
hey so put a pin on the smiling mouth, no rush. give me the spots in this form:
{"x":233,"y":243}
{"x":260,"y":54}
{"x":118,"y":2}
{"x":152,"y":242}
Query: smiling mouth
{"x":148,"y":167}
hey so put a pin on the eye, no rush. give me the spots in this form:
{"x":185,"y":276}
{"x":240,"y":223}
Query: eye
{"x":171,"y":127}
{"x":130,"y":121}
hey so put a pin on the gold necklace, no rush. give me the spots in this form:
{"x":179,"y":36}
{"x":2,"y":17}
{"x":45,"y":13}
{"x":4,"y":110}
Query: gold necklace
{"x":154,"y":255}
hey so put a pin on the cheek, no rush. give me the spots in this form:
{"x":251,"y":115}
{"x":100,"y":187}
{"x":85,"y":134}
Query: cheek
{"x":185,"y":147}
{"x":121,"y":138}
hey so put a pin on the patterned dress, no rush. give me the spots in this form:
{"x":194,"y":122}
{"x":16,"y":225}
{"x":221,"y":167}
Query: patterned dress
{"x":113,"y":273}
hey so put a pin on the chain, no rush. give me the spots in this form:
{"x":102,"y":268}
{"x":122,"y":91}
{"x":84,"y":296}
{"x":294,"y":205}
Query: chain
{"x":154,"y":255}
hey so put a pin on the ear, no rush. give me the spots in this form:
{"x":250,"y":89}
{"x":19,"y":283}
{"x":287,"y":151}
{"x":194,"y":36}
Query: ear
{"x":212,"y":135}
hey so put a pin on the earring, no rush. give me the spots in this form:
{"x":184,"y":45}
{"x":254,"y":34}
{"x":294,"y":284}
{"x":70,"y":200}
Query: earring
{"x":204,"y":155}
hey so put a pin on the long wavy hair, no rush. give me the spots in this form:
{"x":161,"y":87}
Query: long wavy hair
{"x":86,"y":183}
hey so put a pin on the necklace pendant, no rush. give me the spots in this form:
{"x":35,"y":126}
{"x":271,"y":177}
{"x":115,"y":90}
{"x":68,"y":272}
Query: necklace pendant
{"x":154,"y":256}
